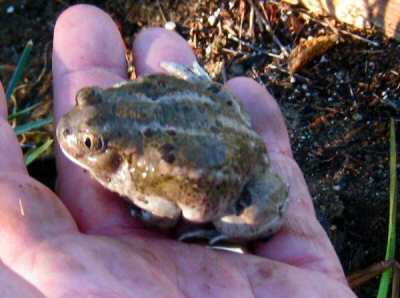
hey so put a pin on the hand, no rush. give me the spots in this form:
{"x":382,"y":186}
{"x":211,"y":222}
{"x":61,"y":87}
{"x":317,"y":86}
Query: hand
{"x":84,"y":244}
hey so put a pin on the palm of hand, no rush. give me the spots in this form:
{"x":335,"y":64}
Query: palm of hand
{"x":110,"y":255}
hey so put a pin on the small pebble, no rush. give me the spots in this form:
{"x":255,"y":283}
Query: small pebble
{"x":357,"y":116}
{"x":336,"y":187}
{"x":323,"y":59}
{"x":170,"y":26}
{"x":211,"y":20}
{"x":208,"y":50}
{"x":10,"y":9}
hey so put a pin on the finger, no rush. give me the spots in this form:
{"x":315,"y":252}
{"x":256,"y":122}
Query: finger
{"x":156,"y":45}
{"x":88,"y":50}
{"x":265,"y":114}
{"x":301,"y":241}
{"x":11,"y":158}
{"x":29,"y":212}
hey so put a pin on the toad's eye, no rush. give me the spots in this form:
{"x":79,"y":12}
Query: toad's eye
{"x":93,"y":143}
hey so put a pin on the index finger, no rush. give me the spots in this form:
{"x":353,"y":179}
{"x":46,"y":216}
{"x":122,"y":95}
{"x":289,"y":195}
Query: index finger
{"x":88,"y":50}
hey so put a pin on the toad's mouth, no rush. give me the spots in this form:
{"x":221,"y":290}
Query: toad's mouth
{"x":75,"y":157}
{"x":68,"y":143}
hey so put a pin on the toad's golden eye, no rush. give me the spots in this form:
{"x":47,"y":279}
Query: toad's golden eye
{"x":94,"y":143}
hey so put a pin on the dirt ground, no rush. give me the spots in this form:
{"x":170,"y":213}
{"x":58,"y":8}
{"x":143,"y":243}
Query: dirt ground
{"x":337,"y":107}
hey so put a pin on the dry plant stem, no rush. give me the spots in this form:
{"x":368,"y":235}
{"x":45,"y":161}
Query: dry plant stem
{"x":249,"y":45}
{"x":251,"y":23}
{"x":358,"y":278}
{"x":230,"y":31}
{"x":258,"y":20}
{"x":242,"y":13}
{"x":306,"y":16}
{"x":242,"y":42}
{"x":233,"y":52}
{"x":14,"y":103}
{"x":358,"y":37}
{"x":268,"y":27}
{"x":161,"y":11}
{"x":344,"y":139}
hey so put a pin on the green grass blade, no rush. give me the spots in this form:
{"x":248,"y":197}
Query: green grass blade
{"x":16,"y":77}
{"x":21,"y":129}
{"x":34,"y":154}
{"x":24,"y":111}
{"x":391,"y":242}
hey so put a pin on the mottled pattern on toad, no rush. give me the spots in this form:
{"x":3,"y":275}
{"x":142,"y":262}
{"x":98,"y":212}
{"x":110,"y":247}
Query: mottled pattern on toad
{"x":175,"y":145}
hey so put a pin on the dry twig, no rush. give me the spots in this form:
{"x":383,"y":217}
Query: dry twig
{"x":268,"y":28}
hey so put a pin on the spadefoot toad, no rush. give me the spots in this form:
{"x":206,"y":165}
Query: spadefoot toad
{"x":175,"y":145}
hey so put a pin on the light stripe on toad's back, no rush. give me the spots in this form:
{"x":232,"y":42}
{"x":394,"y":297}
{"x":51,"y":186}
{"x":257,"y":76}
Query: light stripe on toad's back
{"x":196,"y":147}
{"x":164,"y":114}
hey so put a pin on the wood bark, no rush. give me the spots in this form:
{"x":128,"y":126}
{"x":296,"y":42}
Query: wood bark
{"x":384,"y":14}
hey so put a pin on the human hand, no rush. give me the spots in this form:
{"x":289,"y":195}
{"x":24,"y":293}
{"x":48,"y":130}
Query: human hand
{"x":84,"y":243}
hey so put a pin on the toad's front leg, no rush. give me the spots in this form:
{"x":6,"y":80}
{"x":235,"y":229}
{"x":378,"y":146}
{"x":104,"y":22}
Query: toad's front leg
{"x":156,"y":211}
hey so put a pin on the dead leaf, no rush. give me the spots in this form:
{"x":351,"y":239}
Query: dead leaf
{"x":309,"y":49}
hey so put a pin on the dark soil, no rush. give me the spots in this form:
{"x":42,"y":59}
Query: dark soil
{"x":337,"y":107}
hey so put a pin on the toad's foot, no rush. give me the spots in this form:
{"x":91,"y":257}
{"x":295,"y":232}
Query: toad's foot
{"x":211,"y":235}
{"x":215,"y":240}
{"x":151,"y":219}
{"x":193,"y":74}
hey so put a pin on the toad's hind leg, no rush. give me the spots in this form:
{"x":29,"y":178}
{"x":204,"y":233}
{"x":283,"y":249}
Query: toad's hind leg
{"x":260,"y":209}
{"x":192,"y":74}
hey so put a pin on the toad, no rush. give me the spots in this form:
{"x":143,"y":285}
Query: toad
{"x":177,"y":145}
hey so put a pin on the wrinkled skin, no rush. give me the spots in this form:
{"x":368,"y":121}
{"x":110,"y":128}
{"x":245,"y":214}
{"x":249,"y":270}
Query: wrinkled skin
{"x":82,"y":242}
